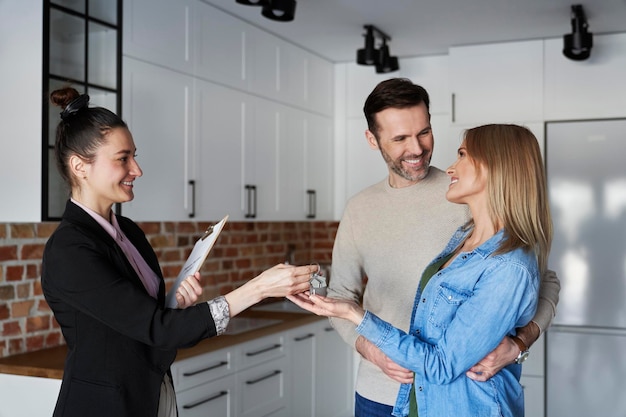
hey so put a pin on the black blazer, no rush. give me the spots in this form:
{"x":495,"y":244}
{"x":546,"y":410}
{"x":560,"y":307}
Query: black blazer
{"x":120,"y":340}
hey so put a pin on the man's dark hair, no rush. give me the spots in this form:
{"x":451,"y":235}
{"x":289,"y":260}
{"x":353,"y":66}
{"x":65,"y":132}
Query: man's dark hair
{"x":396,"y":93}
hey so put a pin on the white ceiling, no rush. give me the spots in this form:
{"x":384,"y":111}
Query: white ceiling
{"x":333,"y":29}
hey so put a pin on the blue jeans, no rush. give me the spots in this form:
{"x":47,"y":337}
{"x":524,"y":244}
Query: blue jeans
{"x":367,"y":408}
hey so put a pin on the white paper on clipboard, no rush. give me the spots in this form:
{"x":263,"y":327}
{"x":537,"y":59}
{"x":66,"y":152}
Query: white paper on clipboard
{"x":195,"y":260}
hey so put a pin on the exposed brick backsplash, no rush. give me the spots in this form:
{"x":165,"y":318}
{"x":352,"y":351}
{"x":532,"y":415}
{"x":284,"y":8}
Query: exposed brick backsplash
{"x":243,"y":250}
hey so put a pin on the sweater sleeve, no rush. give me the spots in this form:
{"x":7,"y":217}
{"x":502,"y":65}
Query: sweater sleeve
{"x":347,"y":276}
{"x":548,"y":300}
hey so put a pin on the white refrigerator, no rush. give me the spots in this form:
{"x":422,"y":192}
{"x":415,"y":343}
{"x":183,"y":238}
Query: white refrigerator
{"x":586,"y":345}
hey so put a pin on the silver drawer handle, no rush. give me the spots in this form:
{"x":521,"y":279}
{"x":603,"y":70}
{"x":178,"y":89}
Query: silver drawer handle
{"x":254,"y":381}
{"x":276,"y":346}
{"x":199,"y":371}
{"x":214,"y":397}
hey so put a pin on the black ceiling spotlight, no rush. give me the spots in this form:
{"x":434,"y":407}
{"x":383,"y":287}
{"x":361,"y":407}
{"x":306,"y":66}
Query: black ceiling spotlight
{"x":279,"y":10}
{"x":381,"y":58}
{"x":251,"y":2}
{"x":385,"y":62}
{"x":577,"y":45}
{"x":369,"y":54}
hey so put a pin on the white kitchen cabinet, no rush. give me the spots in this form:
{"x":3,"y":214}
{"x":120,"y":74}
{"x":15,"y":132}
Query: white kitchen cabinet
{"x":302,"y":345}
{"x":497,"y":83}
{"x":260,"y":165}
{"x":334,"y":386}
{"x":292,"y":74}
{"x":21,"y":43}
{"x":215,"y":398}
{"x":157,"y":108}
{"x":221,"y":45}
{"x":260,"y":390}
{"x":320,"y":85}
{"x":319,"y":168}
{"x":220,"y":130}
{"x":262,"y":59}
{"x":431,"y":72}
{"x":160,"y":32}
{"x":320,"y":364}
{"x":16,"y":390}
{"x":590,"y":89}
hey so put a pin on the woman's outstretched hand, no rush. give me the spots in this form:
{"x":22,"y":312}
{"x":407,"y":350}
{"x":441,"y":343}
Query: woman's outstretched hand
{"x":329,"y":307}
{"x":279,"y":281}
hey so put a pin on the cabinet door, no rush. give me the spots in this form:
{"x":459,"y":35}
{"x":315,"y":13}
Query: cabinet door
{"x":220,"y":129}
{"x":159,"y":31}
{"x":302,"y":374}
{"x":260,"y":167}
{"x":220,"y":46}
{"x":262,"y":52}
{"x":319,"y":170}
{"x":510,"y":87}
{"x":157,"y":110}
{"x":215,"y":398}
{"x":334,"y":386}
{"x":198,"y":370}
{"x":261,"y":389}
{"x":290,"y":192}
{"x":320,"y":85}
{"x":292,"y":69}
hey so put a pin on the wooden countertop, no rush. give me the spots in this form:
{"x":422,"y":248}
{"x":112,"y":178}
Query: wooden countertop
{"x":48,"y":363}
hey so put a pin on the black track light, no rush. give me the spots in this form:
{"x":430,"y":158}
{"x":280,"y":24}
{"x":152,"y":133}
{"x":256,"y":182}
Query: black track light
{"x":251,"y":2}
{"x":386,"y":63}
{"x":280,"y":10}
{"x":381,"y":57}
{"x":577,"y":45}
{"x":369,"y":54}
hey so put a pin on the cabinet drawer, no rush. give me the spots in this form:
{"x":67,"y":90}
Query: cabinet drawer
{"x":211,"y":399}
{"x":261,"y":350}
{"x":200,"y":369}
{"x":261,"y":389}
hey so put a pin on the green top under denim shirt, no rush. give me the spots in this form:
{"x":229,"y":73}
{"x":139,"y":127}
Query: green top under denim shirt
{"x":428,"y":273}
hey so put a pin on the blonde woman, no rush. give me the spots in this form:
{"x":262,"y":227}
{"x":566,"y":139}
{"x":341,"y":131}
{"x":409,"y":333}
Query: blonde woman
{"x":482,"y":286}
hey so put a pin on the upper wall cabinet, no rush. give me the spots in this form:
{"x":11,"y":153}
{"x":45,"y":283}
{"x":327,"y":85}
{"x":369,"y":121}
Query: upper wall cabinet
{"x":589,"y":89}
{"x":497,"y":83}
{"x":157,"y":107}
{"x":430,"y":72}
{"x":21,"y":43}
{"x":220,"y":47}
{"x":160,"y":32}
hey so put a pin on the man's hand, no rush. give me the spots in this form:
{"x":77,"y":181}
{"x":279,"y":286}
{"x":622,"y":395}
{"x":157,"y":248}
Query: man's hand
{"x":378,"y":358}
{"x":503,"y":355}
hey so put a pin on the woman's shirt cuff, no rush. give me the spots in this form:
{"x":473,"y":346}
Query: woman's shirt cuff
{"x":220,"y":312}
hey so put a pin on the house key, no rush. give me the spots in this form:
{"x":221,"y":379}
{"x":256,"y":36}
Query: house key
{"x":317,"y":283}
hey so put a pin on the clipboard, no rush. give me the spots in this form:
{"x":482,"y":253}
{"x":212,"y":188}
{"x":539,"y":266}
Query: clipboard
{"x":196,"y":258}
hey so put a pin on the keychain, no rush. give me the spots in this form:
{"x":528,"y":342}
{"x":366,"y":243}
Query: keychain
{"x":317,"y":283}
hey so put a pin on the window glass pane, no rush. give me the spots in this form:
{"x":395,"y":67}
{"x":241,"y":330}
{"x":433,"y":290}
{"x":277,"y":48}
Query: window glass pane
{"x":102,"y":98}
{"x":67,"y":45}
{"x":76,"y":5}
{"x":102,"y":55}
{"x":105,"y":10}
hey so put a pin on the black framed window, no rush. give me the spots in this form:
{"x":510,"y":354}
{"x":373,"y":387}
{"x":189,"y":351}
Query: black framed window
{"x":82,"y":48}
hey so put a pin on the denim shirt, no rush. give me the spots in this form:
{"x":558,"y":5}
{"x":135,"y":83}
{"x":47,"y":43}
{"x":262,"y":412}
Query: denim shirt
{"x":463,"y":314}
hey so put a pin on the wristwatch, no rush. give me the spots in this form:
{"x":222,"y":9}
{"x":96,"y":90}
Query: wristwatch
{"x":523,"y":350}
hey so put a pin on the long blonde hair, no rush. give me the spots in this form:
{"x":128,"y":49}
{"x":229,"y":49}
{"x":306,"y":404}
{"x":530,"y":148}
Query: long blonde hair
{"x":516,"y":185}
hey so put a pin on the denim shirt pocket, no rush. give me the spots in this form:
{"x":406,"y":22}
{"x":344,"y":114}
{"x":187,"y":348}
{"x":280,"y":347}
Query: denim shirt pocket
{"x":446,"y":304}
